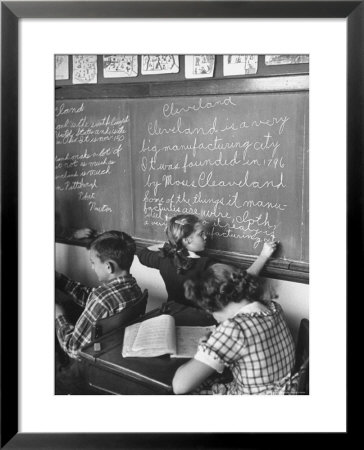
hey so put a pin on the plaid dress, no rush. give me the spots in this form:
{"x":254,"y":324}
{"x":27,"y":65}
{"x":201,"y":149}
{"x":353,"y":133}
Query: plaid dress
{"x":257,"y":346}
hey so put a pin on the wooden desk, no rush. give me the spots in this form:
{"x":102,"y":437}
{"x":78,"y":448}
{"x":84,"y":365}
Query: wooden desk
{"x":109,"y":372}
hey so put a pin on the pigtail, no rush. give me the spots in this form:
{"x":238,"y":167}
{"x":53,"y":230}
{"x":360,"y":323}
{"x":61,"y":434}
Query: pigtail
{"x":179,"y":256}
{"x":182,"y":262}
{"x":190,"y":288}
{"x":168,"y":249}
{"x":179,"y":227}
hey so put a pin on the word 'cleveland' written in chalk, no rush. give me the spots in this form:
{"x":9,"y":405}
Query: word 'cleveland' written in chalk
{"x":228,"y":169}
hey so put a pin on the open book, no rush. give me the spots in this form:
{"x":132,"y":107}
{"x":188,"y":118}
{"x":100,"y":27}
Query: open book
{"x":159,"y":336}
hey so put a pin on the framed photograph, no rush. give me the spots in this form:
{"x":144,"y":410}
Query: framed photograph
{"x":31,"y":416}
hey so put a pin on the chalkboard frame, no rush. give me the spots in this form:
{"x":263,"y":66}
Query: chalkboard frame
{"x":275,"y":268}
{"x":11,"y":436}
{"x":279,"y":83}
{"x":297,"y":271}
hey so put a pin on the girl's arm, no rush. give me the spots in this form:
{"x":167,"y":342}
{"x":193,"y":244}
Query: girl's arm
{"x":268,"y":249}
{"x":190,"y":375}
{"x":149,"y":258}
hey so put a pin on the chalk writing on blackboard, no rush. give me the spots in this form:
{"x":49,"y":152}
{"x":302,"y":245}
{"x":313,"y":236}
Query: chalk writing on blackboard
{"x":227,"y":159}
{"x":88,"y":152}
{"x":240,"y":162}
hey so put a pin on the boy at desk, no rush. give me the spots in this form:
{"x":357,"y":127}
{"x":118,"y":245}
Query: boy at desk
{"x":111,"y":256}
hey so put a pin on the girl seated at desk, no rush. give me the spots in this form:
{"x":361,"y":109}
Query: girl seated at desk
{"x":252,"y":338}
{"x":179,"y":259}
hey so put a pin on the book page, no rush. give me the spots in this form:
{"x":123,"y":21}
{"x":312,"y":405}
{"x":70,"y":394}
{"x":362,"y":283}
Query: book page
{"x":156,"y":333}
{"x":153,"y":337}
{"x":188,"y":339}
{"x":129,"y":337}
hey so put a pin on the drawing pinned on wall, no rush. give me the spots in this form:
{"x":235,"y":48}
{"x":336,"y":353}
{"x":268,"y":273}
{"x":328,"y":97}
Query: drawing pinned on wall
{"x":61,"y":67}
{"x":199,"y":66}
{"x":240,"y":64}
{"x":84,"y":69}
{"x":159,"y":64}
{"x":120,"y":66}
{"x":275,"y":60}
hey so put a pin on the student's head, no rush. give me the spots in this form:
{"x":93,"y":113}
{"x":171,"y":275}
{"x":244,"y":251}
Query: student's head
{"x":220,"y":285}
{"x":111,"y":253}
{"x":185,"y":234}
{"x":186,"y":231}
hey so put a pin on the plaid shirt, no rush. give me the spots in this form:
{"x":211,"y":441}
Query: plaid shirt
{"x":103,"y":301}
{"x":256,"y":346}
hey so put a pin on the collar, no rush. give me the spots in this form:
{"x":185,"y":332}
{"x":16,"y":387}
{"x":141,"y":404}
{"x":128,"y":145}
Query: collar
{"x":253,"y":307}
{"x":119,"y":279}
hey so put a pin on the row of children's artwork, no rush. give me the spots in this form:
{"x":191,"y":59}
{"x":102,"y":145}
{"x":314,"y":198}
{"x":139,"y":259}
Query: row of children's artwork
{"x":84,"y":67}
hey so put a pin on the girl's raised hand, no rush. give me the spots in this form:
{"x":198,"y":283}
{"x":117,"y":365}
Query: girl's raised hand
{"x":83,"y":233}
{"x":269,"y":248}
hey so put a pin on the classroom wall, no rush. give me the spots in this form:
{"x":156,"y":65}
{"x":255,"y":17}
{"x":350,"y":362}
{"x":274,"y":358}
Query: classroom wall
{"x":73,"y":261}
{"x":263,"y":70}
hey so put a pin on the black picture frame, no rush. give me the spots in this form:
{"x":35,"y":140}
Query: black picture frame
{"x":11,"y":13}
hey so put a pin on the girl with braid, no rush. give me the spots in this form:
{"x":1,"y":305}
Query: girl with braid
{"x":181,"y":257}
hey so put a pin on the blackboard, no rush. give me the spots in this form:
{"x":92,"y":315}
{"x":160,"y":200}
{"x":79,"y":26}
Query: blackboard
{"x":239,"y":161}
{"x":92,"y":164}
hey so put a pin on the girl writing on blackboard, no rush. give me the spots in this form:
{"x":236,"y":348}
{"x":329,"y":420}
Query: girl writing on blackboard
{"x":252,"y":338}
{"x":181,"y":257}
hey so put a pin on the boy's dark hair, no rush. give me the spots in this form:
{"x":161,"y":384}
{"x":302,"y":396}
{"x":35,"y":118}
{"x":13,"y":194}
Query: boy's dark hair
{"x":220,"y":285}
{"x":179,"y":228}
{"x":116,"y":246}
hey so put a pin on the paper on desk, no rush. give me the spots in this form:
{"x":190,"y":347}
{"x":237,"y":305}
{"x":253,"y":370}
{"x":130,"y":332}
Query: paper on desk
{"x":188,"y":339}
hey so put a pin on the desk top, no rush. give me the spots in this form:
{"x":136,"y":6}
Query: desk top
{"x":156,"y":373}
